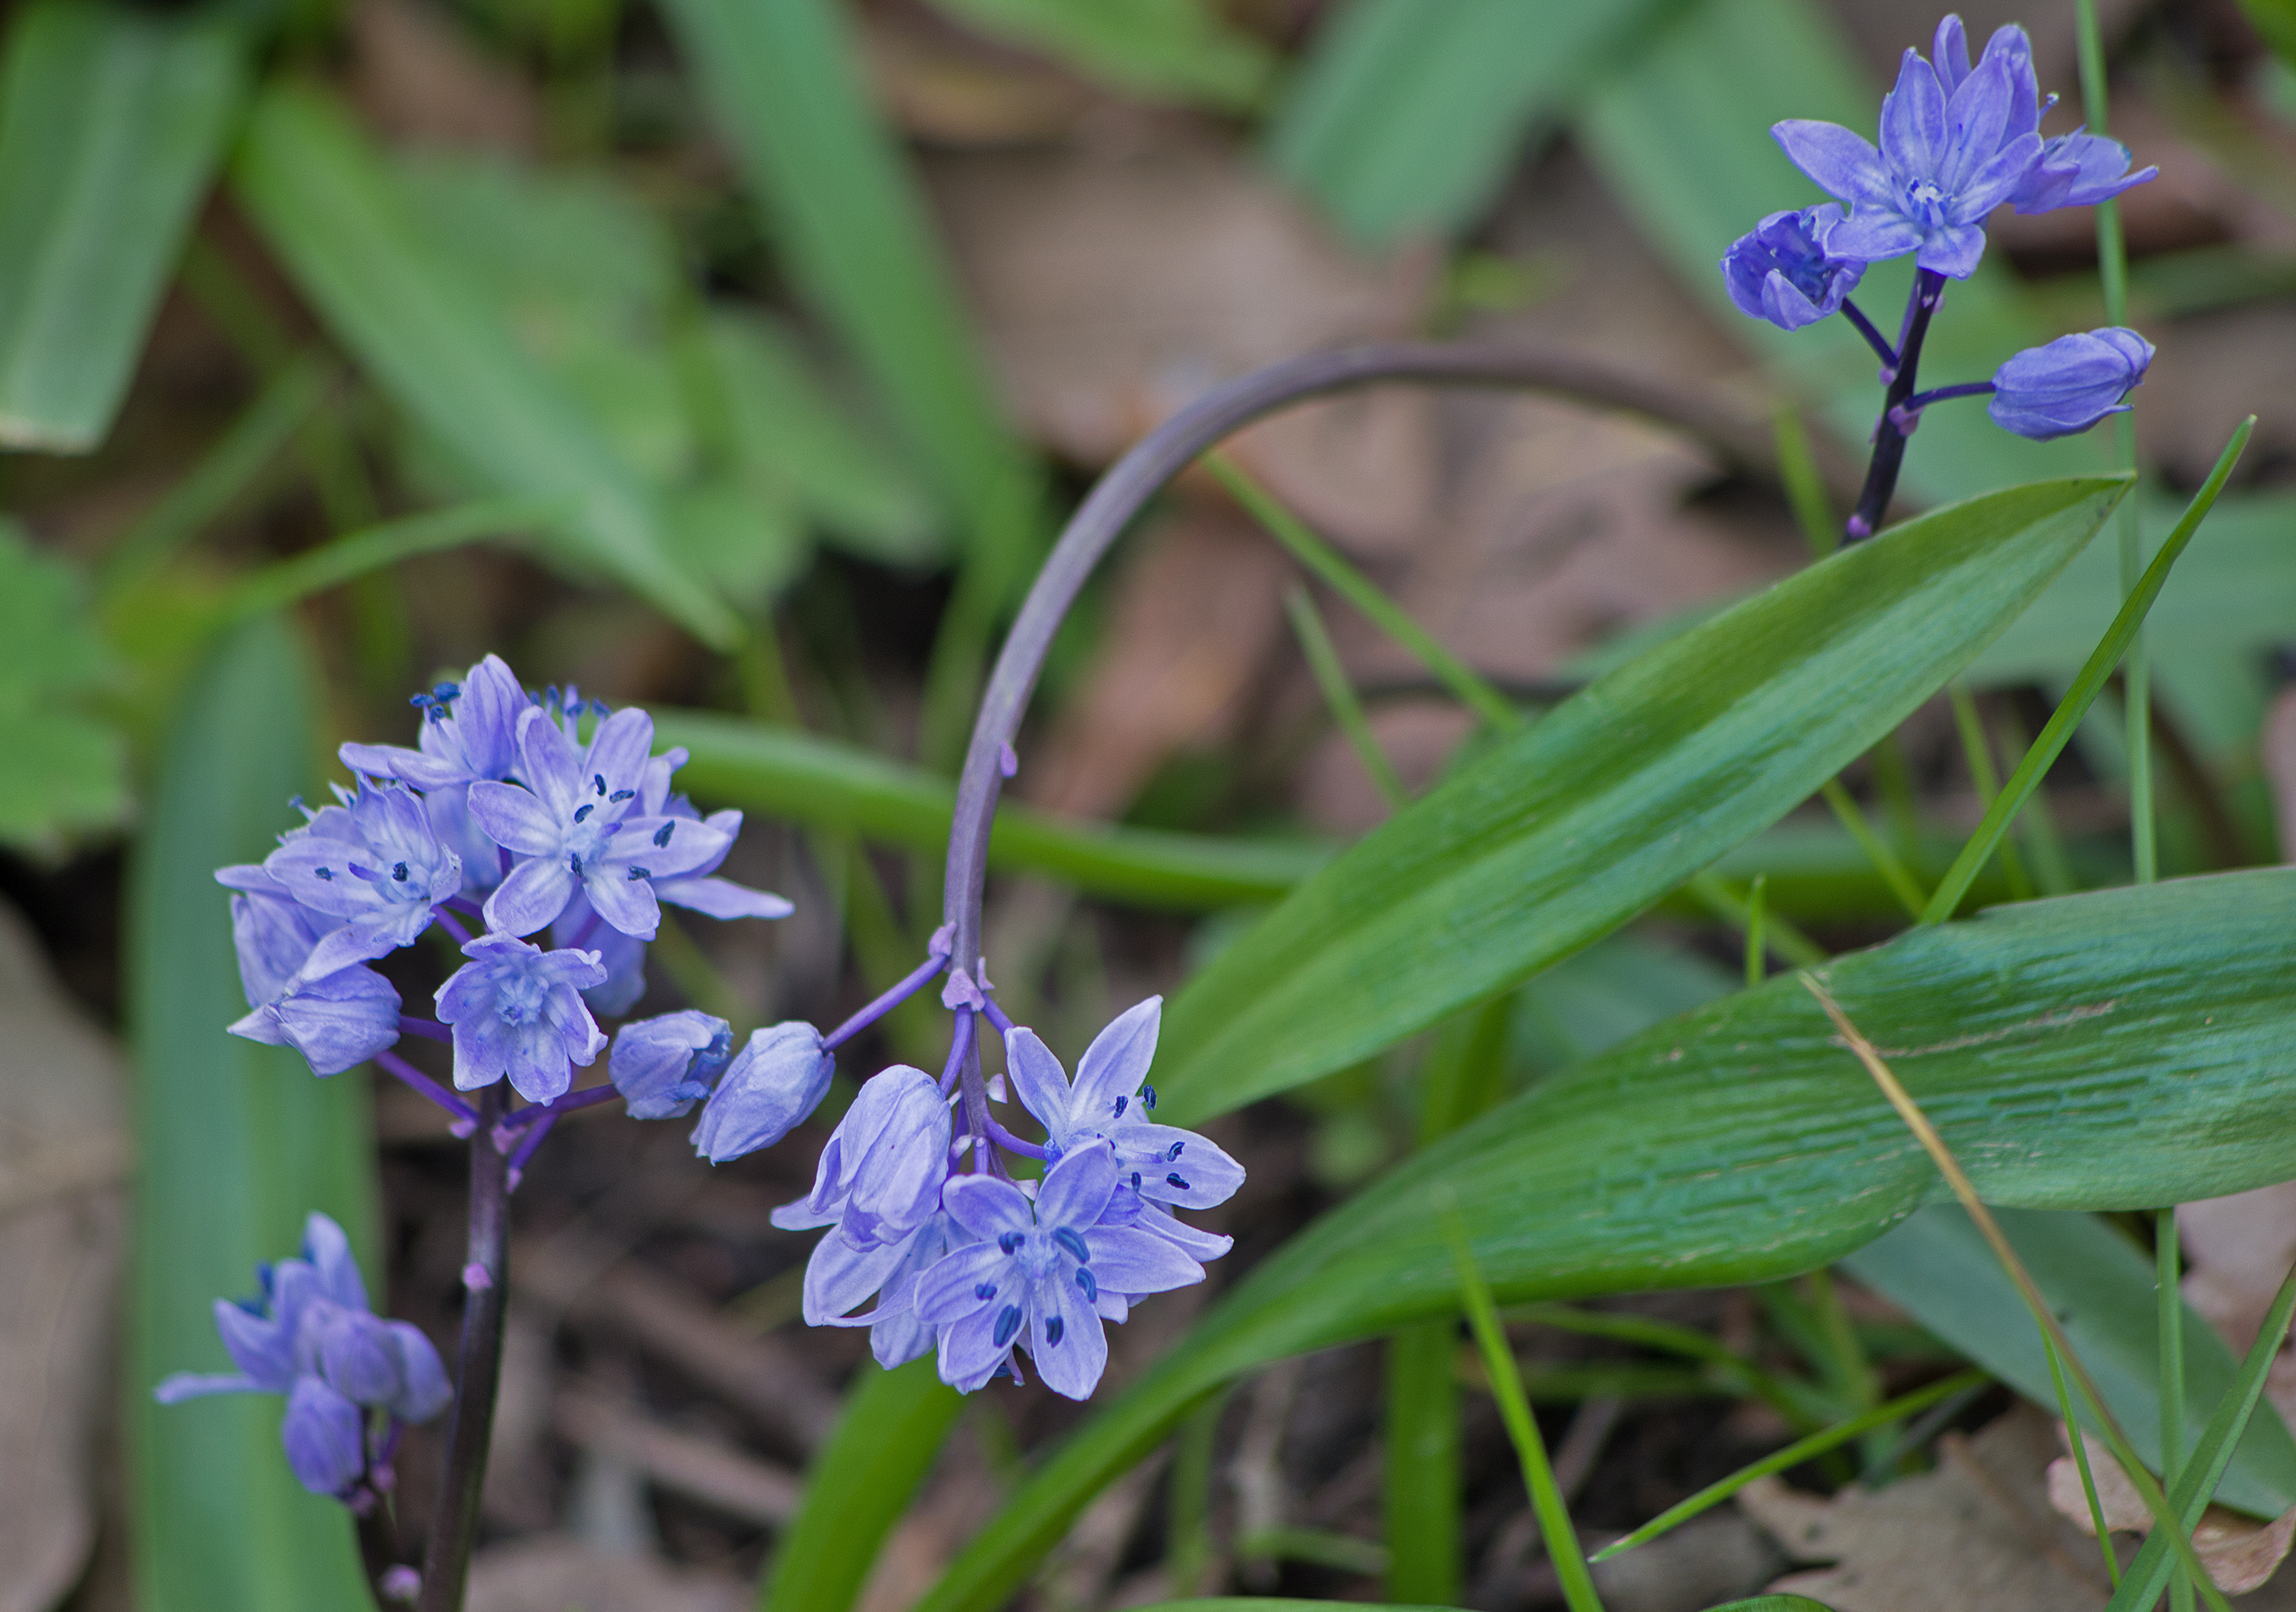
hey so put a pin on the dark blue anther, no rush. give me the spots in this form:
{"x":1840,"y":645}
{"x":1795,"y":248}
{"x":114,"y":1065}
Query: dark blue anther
{"x":294,"y":803}
{"x":1135,"y":1181}
{"x":661,"y":834}
{"x":638,"y":875}
{"x":623,"y":795}
{"x":1068,"y":1238}
{"x":326,"y":873}
{"x":1007,"y":1323}
{"x":1174,"y":1180}
{"x":1053,"y":1329}
{"x":1120,"y":1106}
{"x":599,"y":779}
{"x":1089,"y":1283}
{"x":985,"y":1290}
{"x":1006,"y":1241}
{"x":574,"y":861}
{"x":1148,"y":1097}
{"x":1175,"y":1153}
{"x":584,"y":810}
{"x":399,"y":872}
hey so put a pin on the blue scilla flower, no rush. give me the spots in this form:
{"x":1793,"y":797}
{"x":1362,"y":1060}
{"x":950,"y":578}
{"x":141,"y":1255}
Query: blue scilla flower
{"x":1948,"y":157}
{"x":1110,"y":1102}
{"x":469,"y":732}
{"x":1781,"y":271}
{"x":779,"y":1077}
{"x":310,"y":1336}
{"x":2080,"y":170}
{"x":577,"y":824}
{"x":662,"y":1066}
{"x":517,"y":1010}
{"x":2069,"y":384}
{"x":1032,"y":1275}
{"x":841,"y":1277}
{"x":373,"y":860}
{"x":337,"y":1021}
{"x":880,"y":1177}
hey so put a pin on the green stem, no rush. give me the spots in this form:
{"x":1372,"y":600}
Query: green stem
{"x":1976,"y":750}
{"x":1894,"y":873}
{"x":1340,"y":695}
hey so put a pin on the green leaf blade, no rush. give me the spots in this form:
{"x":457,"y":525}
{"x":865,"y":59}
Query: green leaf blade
{"x":1615,"y":798}
{"x":111,"y":121}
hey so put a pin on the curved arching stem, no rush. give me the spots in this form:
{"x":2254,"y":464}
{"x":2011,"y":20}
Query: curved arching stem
{"x":1172,"y":446}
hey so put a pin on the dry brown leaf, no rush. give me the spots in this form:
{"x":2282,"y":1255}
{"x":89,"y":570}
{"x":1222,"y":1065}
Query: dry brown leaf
{"x":62,"y":1147}
{"x":553,"y":1574}
{"x":1976,"y":1535}
{"x":419,"y":78}
{"x":1191,"y":620}
{"x":2239,"y":1553}
{"x":1117,"y":280}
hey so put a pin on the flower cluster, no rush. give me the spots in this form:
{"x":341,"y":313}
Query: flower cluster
{"x":353,"y":1381}
{"x":1956,"y":143}
{"x":549,"y":821}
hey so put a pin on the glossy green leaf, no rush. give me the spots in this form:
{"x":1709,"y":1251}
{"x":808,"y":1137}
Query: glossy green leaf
{"x":781,"y":78}
{"x":1162,"y":50}
{"x":68,"y":768}
{"x":2106,"y":1051}
{"x":858,"y":1485}
{"x":236,"y":1143}
{"x":1560,"y":833}
{"x":429,"y":336}
{"x":798,"y":778}
{"x":111,"y":120}
{"x":1405,"y":119}
{"x":1937,"y":1268}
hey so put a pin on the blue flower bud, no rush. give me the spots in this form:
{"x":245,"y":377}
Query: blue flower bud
{"x":2069,"y":384}
{"x":325,"y":1436}
{"x":351,"y":1350}
{"x":662,"y":1066}
{"x":336,"y":1022}
{"x":778,"y":1078}
{"x":423,"y":1389}
{"x":1779,"y":270}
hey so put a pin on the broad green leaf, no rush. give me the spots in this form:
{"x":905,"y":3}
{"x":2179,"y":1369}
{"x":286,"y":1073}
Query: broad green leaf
{"x":2101,"y":1288}
{"x":846,"y":217}
{"x":858,"y":1485}
{"x":1406,"y":118}
{"x":429,"y":336}
{"x":2107,"y":1050}
{"x":1560,"y":833}
{"x":236,"y":1144}
{"x":1175,"y":50}
{"x":111,"y":122}
{"x":797,"y":778}
{"x":2275,"y":20}
{"x":67,"y":769}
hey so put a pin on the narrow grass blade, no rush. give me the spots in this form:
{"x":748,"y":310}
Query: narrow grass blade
{"x":2059,"y":729}
{"x":2067,"y":1415}
{"x":1794,"y":1455}
{"x":355,"y":554}
{"x":1894,"y":873}
{"x":1162,"y":50}
{"x":1801,"y":1404}
{"x":236,"y":1143}
{"x":1423,"y":1482}
{"x":1813,"y":510}
{"x":825,"y":785}
{"x":111,"y":120}
{"x":1506,"y":1386}
{"x":2147,"y":1486}
{"x":1347,"y":711}
{"x":1358,"y":590}
{"x":1977,"y":751}
{"x":1781,"y":937}
{"x":1757,"y":971}
{"x":892,"y":1429}
{"x":2148,"y":1575}
{"x":254,"y":440}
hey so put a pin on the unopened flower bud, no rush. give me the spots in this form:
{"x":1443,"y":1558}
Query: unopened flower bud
{"x":778,"y":1079}
{"x":662,"y":1066}
{"x":2069,"y":384}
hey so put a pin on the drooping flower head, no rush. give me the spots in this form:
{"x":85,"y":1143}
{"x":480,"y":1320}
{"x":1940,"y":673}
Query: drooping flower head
{"x":662,"y":1066}
{"x":880,"y":1176}
{"x":2069,"y":384}
{"x":1032,"y":1275}
{"x":310,"y":1336}
{"x":517,"y":1010}
{"x":1781,"y":271}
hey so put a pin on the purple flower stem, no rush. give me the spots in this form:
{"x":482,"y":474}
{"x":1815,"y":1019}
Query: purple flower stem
{"x":1874,"y":337}
{"x":455,"y":1524}
{"x":916,"y":980}
{"x":399,"y":1069}
{"x":464,"y":905}
{"x":996,"y":1016}
{"x":453,"y":926}
{"x":430,"y":1028}
{"x":535,"y":1113}
{"x":1152,"y":462}
{"x":526,"y":1150}
{"x":1889,"y":435}
{"x":379,"y":1552}
{"x":1973,"y":388}
{"x":1011,"y":1143}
